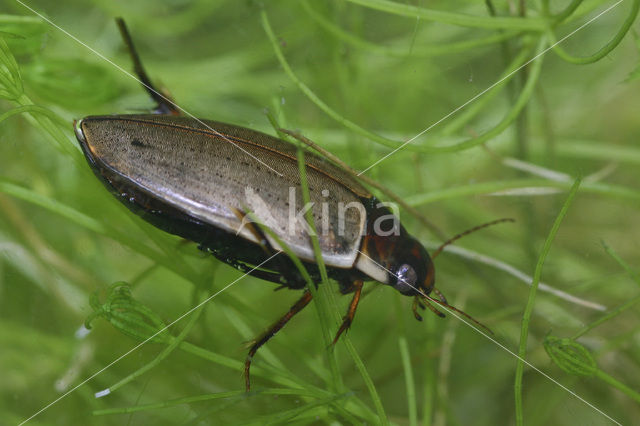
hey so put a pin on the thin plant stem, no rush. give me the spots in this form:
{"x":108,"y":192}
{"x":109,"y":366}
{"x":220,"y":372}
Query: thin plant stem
{"x":418,"y":51}
{"x":200,"y":398}
{"x":606,"y":317}
{"x":620,"y":309}
{"x":175,"y":342}
{"x":429,"y":404}
{"x":444,"y":366}
{"x":479,"y":106}
{"x":323,"y":273}
{"x":566,"y":12}
{"x":511,"y":115}
{"x":98,"y":227}
{"x":371,"y":387}
{"x":526,"y":318}
{"x":606,"y":49}
{"x":498,"y":129}
{"x":460,"y":19}
{"x":405,"y":357}
{"x":497,"y":188}
{"x":633,"y":274}
{"x":617,"y":384}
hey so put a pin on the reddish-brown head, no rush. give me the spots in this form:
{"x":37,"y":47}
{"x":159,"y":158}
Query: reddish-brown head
{"x":400,"y":261}
{"x":412,"y":271}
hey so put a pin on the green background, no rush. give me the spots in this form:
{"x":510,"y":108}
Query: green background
{"x":392,"y":69}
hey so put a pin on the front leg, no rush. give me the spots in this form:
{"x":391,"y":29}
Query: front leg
{"x":356,"y":288}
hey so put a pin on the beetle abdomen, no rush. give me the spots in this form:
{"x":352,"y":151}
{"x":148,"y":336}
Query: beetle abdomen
{"x":208,"y":174}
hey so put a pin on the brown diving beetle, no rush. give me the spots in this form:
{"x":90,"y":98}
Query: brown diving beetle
{"x":194,"y":178}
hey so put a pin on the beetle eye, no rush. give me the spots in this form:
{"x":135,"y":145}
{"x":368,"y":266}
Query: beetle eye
{"x":407,"y":278}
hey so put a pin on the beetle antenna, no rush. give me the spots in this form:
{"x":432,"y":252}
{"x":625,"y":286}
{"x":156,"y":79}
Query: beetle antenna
{"x":165,"y":103}
{"x":453,"y":308}
{"x":469,"y":231}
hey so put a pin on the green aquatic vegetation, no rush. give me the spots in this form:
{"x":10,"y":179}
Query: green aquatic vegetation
{"x":359,"y":78}
{"x":526,"y":316}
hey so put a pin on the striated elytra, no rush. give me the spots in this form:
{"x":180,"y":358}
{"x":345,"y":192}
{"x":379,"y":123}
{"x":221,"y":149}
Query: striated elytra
{"x":198,"y":179}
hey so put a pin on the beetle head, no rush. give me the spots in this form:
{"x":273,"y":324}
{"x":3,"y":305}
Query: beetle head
{"x":399,"y":261}
{"x":412,"y":271}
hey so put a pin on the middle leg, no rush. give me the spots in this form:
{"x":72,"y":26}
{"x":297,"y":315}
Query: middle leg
{"x":277,"y":326}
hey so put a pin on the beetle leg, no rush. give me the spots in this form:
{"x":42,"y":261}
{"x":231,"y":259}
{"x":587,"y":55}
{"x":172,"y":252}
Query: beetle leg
{"x":351,"y":312}
{"x":440,"y":296}
{"x":165,"y":103}
{"x":433,"y":309}
{"x":264,"y":337}
{"x":417,"y":303}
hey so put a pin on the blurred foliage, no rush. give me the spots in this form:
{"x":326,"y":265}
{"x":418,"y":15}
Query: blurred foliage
{"x":358,"y":77}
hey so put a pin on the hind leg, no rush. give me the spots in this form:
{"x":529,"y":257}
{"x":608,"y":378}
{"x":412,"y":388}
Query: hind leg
{"x":271,"y":331}
{"x":164,"y":101}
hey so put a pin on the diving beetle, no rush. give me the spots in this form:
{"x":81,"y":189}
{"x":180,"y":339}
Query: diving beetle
{"x":197,"y":179}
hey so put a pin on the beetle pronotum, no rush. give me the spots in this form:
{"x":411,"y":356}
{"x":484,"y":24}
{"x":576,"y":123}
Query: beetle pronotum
{"x":194,"y":178}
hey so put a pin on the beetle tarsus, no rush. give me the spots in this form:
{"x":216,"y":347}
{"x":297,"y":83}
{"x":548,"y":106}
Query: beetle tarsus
{"x":433,"y":309}
{"x":417,"y":303}
{"x":351,"y":312}
{"x":264,"y":337}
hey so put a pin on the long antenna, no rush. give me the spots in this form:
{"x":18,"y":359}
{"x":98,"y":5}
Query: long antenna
{"x":467,"y":232}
